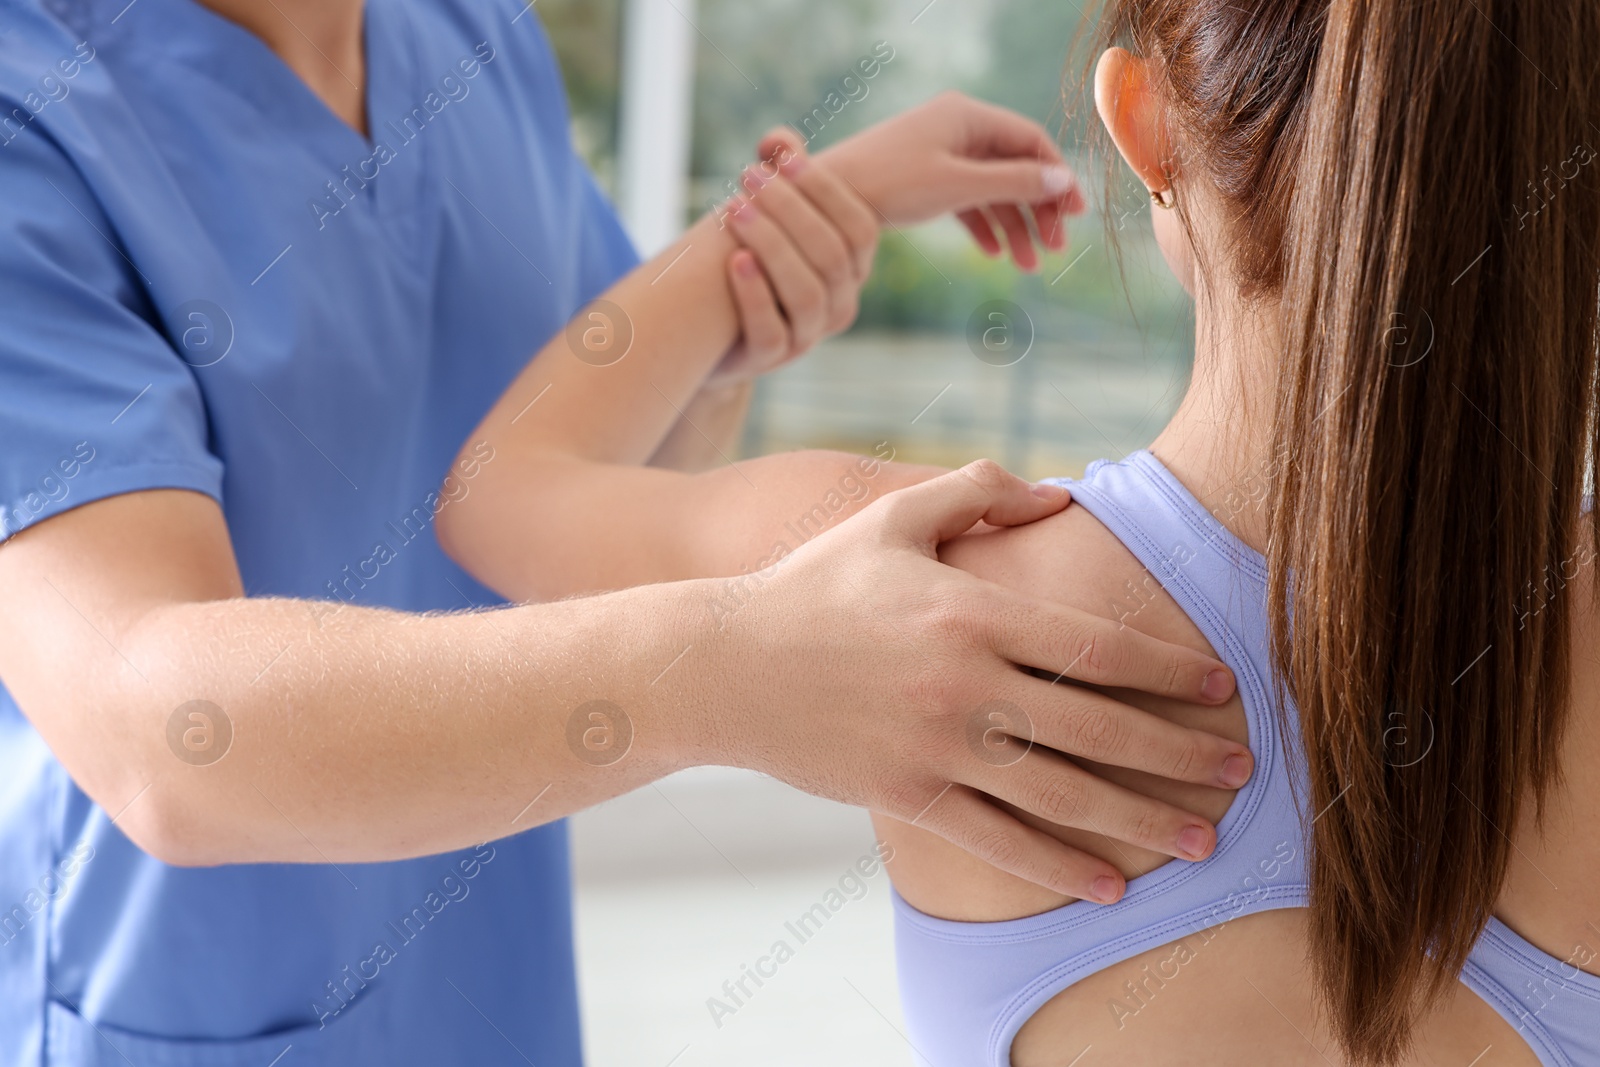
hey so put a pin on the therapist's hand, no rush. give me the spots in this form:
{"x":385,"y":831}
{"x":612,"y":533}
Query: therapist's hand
{"x":986,"y":164}
{"x":865,"y":666}
{"x":807,"y":245}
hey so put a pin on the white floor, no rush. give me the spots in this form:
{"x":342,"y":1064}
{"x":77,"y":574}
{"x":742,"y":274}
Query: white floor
{"x":682,"y":885}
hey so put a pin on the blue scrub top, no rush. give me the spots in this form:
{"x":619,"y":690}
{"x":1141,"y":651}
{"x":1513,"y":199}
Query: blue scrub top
{"x":209,"y":282}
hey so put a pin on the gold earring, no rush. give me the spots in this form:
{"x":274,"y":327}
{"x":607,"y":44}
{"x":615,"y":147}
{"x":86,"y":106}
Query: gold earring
{"x":1164,"y":198}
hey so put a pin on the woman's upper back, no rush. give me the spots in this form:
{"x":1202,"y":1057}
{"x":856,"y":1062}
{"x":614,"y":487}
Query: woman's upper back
{"x":1206,"y":952}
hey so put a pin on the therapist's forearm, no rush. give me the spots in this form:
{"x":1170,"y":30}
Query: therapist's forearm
{"x":365,"y":735}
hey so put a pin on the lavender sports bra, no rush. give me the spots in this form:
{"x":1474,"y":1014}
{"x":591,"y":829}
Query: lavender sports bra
{"x":967,"y":988}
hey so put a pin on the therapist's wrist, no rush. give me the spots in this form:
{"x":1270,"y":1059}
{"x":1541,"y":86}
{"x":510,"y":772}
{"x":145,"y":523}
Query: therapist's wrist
{"x":677,"y":662}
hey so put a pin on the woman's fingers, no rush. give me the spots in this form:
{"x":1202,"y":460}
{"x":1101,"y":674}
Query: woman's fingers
{"x":1013,"y":181}
{"x":1090,"y":648}
{"x":1050,"y":218}
{"x":1009,"y":216}
{"x":975,"y":824}
{"x":1058,"y":791}
{"x":977,"y":224}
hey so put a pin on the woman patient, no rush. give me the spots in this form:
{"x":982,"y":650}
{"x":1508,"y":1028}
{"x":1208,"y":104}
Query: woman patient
{"x":1370,"y":505}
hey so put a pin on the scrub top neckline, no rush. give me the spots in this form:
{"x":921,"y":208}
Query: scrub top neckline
{"x":241,"y":63}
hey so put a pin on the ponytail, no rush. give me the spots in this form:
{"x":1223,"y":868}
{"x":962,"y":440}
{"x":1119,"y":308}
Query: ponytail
{"x":1435,"y":416}
{"x":1414,"y":181}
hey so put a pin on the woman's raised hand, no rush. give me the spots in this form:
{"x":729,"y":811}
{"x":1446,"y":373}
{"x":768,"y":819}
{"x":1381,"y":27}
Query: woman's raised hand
{"x":956,"y":154}
{"x":809,"y":228}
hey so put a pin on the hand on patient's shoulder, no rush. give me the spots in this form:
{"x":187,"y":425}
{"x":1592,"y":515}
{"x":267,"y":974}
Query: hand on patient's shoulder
{"x":867,"y":600}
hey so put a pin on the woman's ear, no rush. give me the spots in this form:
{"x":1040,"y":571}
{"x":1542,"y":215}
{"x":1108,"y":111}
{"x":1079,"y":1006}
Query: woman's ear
{"x":1133,"y":116}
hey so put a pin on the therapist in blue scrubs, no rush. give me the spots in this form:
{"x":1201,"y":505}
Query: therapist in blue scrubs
{"x":267,"y":795}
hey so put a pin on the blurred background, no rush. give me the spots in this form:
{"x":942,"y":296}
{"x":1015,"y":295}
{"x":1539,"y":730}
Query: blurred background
{"x":684,"y":885}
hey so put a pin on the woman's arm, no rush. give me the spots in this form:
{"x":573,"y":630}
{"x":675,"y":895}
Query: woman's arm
{"x":567,"y":505}
{"x":708,"y":433}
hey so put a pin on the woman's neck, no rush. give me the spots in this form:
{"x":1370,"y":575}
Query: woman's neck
{"x":320,"y":40}
{"x":1219,"y":443}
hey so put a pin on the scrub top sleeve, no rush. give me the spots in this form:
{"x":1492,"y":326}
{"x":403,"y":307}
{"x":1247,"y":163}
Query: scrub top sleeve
{"x":94,"y":400}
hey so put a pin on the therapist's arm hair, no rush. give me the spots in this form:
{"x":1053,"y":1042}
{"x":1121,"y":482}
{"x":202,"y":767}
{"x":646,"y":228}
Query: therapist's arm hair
{"x":357,"y":733}
{"x":362,"y":734}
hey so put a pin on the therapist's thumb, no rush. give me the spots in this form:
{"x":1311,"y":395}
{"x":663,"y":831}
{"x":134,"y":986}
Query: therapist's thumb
{"x":948,"y":506}
{"x":1020,"y":181}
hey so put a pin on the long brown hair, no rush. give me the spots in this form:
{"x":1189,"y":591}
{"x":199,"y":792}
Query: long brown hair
{"x":1411,"y":180}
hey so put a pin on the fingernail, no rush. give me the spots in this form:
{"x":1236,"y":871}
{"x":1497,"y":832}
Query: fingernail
{"x":1046,"y":491}
{"x":1235,"y":771}
{"x":1058,"y":179}
{"x":793,"y":165}
{"x":1192,"y":842}
{"x":746,"y":266}
{"x":743,"y":211}
{"x":1105,"y":890}
{"x":1218,"y":685}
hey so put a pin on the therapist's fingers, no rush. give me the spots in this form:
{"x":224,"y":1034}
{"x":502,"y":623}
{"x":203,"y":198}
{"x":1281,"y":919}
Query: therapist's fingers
{"x":934,"y":511}
{"x":800,"y":290}
{"x":977,"y":825}
{"x":781,"y":144}
{"x":1058,"y":791}
{"x":764,"y":330}
{"x":1100,"y":651}
{"x":854,"y":219}
{"x":851,"y":216}
{"x":1091,"y":725}
{"x":816,"y":238}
